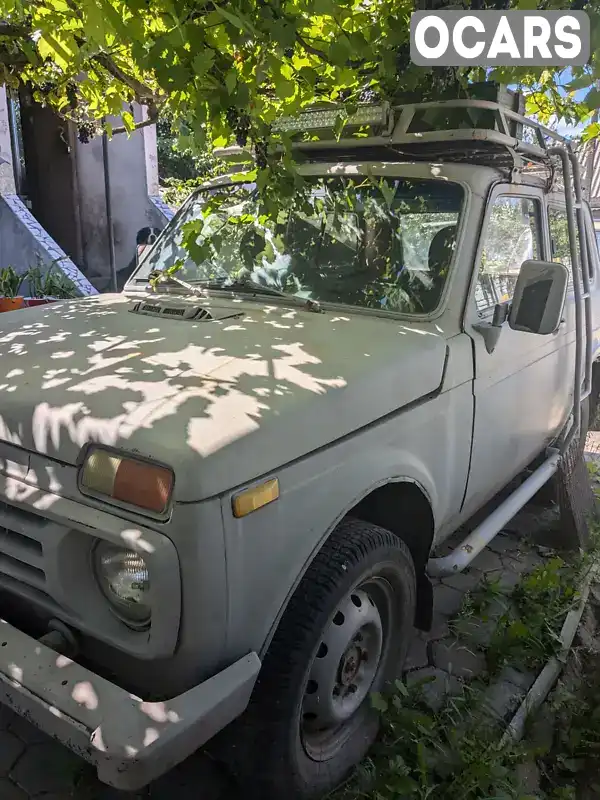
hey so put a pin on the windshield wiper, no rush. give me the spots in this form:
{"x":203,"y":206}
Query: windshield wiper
{"x":241,"y":285}
{"x":161,"y":277}
{"x":198,"y":286}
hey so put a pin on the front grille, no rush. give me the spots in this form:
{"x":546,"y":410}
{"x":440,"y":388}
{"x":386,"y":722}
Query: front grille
{"x":150,"y":308}
{"x":187,"y":312}
{"x":21,"y":546}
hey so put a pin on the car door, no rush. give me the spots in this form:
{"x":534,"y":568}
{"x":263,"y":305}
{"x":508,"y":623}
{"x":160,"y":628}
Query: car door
{"x":523,"y":387}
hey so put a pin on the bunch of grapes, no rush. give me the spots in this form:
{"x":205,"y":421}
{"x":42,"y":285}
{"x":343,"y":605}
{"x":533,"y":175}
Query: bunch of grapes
{"x":369,"y":96}
{"x":232,"y":116}
{"x":85,"y":132}
{"x":71,"y":92}
{"x":242,"y":130}
{"x":47,"y":87}
{"x":260,"y":153}
{"x":443,"y":78}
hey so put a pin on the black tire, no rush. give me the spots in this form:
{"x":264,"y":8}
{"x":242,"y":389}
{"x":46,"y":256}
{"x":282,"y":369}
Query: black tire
{"x":272,"y":752}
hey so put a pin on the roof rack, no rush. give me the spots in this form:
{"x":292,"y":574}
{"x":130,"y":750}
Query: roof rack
{"x":472,"y":130}
{"x":481,"y":124}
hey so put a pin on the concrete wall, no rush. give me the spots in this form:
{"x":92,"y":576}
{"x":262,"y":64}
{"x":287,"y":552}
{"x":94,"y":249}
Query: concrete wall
{"x":24,"y":242}
{"x":51,"y":175}
{"x":66,"y":196}
{"x":7,"y":174}
{"x":133,"y":173}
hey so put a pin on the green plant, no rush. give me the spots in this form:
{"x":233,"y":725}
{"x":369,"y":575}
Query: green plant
{"x":224,"y":72}
{"x":174,"y":191}
{"x":573,"y":761}
{"x":10,"y":282}
{"x":454,"y":754}
{"x":527,"y":633}
{"x":436,"y":756}
{"x":50,"y":283}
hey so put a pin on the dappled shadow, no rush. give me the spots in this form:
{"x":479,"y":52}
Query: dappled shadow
{"x":104,"y":724}
{"x":256,"y":386}
{"x":180,"y":390}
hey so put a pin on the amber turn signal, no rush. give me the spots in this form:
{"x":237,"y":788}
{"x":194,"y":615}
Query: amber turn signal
{"x":252,"y":499}
{"x":128,"y":480}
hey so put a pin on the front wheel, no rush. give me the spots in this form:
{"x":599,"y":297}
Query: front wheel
{"x":344,"y":635}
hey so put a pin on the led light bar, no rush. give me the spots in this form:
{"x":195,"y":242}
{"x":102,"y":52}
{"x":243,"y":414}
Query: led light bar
{"x":320,"y":118}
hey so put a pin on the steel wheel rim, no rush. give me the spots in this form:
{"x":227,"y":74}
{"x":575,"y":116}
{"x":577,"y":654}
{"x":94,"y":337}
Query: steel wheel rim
{"x":330,"y":710}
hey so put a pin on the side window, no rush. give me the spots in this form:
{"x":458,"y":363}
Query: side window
{"x":559,"y":237}
{"x":512,"y":236}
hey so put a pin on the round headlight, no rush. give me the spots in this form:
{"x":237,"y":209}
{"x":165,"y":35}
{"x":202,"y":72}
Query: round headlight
{"x":124,"y":580}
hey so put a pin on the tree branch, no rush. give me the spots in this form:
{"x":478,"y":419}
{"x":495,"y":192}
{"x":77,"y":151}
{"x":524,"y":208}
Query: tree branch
{"x":152,"y":118}
{"x":312,"y":50}
{"x":14,"y":31}
{"x":13,"y":59}
{"x":143,"y":93}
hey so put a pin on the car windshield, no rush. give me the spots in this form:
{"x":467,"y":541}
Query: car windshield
{"x":379,"y":243}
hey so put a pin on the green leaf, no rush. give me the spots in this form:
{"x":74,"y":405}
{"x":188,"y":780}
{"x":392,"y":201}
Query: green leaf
{"x":581,"y":82}
{"x":244,"y":177}
{"x":231,"y":80}
{"x":401,"y":687}
{"x":379,"y":702}
{"x":94,"y":21}
{"x":284,"y":89}
{"x":128,"y":121}
{"x":237,"y":20}
{"x":114,"y":18}
{"x":324,"y":7}
{"x":203,"y":61}
{"x":402,"y":785}
{"x":58,"y":46}
{"x":592,"y":98}
{"x":340,"y":51}
{"x":591,"y":132}
{"x":388,"y":190}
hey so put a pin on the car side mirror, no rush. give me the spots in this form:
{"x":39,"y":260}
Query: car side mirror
{"x":539,"y":297}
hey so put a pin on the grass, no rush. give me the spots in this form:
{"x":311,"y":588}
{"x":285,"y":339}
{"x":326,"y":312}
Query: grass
{"x":446,"y":755}
{"x":527,"y":634}
{"x":454,"y":754}
{"x":570,"y":765}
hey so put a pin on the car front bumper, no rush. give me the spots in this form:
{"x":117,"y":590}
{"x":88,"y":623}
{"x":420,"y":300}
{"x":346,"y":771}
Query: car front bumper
{"x":129,"y":741}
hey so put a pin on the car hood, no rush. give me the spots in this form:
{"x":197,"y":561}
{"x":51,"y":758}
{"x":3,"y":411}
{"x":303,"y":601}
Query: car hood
{"x":221,"y":400}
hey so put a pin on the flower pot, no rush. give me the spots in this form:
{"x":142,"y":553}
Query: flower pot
{"x":29,"y":302}
{"x":11,"y":303}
